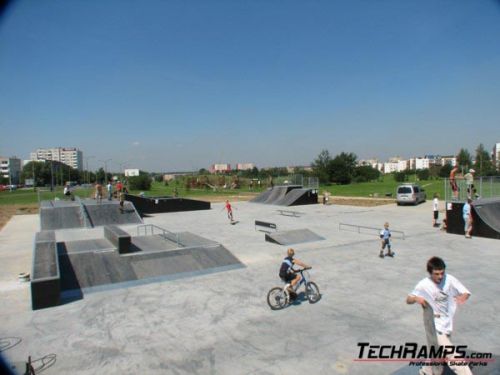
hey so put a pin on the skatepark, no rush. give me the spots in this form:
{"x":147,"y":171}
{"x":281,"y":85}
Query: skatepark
{"x":216,"y":319}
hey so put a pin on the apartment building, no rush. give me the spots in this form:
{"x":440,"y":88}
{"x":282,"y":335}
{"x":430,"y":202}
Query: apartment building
{"x":496,"y":154}
{"x":452,"y":160}
{"x":245,"y":166}
{"x":10,"y":168}
{"x":215,"y":168}
{"x":68,"y":155}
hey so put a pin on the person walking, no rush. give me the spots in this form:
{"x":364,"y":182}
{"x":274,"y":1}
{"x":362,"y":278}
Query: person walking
{"x":385,"y":237}
{"x":443,"y":292}
{"x":98,"y":192}
{"x":109,"y":187}
{"x":121,"y":197}
{"x":435,"y":210}
{"x":467,"y":216}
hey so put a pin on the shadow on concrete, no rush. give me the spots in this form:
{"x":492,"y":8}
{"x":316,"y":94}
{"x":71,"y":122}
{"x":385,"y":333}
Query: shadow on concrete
{"x":70,"y":287}
{"x":301,"y":298}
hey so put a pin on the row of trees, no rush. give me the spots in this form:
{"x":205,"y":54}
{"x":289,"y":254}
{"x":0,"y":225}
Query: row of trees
{"x":56,"y":173}
{"x":483,"y":164}
{"x":342,"y":169}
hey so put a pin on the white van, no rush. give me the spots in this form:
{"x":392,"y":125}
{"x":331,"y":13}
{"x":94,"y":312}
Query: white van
{"x":410,"y":194}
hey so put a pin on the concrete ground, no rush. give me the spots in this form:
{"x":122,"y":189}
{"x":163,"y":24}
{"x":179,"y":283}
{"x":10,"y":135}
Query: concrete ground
{"x":220,"y":323}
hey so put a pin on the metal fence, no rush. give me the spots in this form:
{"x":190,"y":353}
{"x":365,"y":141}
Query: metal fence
{"x":483,"y":187}
{"x":297,"y":179}
{"x":293,"y":179}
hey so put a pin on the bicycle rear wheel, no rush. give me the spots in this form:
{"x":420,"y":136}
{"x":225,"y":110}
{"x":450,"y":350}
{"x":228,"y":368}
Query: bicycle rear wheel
{"x":312,"y":292}
{"x":277,"y":298}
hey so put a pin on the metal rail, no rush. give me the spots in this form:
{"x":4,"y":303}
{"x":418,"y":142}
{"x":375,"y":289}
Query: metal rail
{"x":360,"y":228}
{"x":167,"y":235}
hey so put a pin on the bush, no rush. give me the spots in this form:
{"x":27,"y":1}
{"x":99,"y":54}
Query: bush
{"x":400,"y":176}
{"x":141,"y":182}
{"x":423,"y":174}
{"x":365,"y":173}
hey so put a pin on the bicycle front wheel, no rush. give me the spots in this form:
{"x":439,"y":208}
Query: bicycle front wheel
{"x":277,"y":298}
{"x":312,"y":292}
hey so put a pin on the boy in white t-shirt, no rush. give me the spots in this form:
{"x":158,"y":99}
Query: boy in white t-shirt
{"x":435,"y":210}
{"x":443,"y":292}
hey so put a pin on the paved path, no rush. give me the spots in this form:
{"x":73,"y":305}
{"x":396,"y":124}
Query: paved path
{"x":220,"y":323}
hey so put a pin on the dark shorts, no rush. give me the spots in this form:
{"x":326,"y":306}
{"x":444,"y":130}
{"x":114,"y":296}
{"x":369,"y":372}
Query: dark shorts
{"x":289,"y":277}
{"x":436,"y":214}
{"x":386,"y":243}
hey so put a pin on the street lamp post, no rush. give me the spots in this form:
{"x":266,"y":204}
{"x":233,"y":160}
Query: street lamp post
{"x":105,"y":168}
{"x":123,"y":165}
{"x":87,"y":167}
{"x":51,"y":175}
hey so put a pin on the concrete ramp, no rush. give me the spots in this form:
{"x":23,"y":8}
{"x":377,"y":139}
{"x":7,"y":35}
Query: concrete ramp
{"x":60,"y":215}
{"x":94,"y":271}
{"x":488,"y":213}
{"x":86,"y":213}
{"x":293,"y":198}
{"x":262,"y":197}
{"x":287,"y":195}
{"x":109,"y":213}
{"x":277,"y":193}
{"x":291,"y":237}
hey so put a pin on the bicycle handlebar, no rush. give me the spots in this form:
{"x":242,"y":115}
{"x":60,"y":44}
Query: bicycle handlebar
{"x":302,"y":269}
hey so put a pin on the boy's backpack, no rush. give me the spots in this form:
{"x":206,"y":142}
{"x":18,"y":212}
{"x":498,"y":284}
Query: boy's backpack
{"x":284,"y":269}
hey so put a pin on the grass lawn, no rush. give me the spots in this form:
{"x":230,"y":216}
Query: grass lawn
{"x":365,"y":189}
{"x":382,"y":187}
{"x":26,"y":200}
{"x":29,"y":197}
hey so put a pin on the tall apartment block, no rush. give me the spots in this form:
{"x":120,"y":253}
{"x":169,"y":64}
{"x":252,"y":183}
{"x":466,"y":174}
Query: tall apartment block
{"x":496,"y":154}
{"x":68,"y":155}
{"x":10,"y":168}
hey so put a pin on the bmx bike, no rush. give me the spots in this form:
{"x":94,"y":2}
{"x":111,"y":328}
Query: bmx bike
{"x":279,"y":297}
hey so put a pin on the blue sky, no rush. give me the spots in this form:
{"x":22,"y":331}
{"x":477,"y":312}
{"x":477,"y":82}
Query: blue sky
{"x":179,"y":85}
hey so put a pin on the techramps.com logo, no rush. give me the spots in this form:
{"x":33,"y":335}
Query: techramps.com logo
{"x":422,"y":355}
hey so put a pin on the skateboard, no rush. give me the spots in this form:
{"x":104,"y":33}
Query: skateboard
{"x":431,"y":335}
{"x":232,"y":222}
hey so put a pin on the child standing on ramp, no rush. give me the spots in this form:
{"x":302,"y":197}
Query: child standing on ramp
{"x":385,"y":237}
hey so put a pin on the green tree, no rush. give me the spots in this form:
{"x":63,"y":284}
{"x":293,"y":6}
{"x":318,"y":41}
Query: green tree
{"x":342,"y":168}
{"x":365,"y":173}
{"x":322,"y":165}
{"x":445,"y":170}
{"x":100,"y":176}
{"x":423,"y":174}
{"x":141,"y":182}
{"x":400,"y":176}
{"x":45,"y":171}
{"x":483,"y":165}
{"x":464,"y":159}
